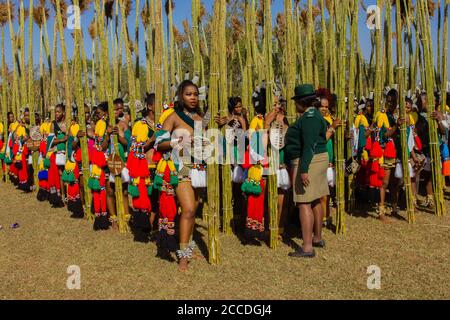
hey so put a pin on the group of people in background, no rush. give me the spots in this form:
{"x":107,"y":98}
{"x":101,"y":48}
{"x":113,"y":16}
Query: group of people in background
{"x":162,"y":192}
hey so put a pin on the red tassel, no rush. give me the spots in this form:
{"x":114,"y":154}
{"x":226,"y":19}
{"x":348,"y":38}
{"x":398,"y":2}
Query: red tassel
{"x":143,"y":201}
{"x":374,"y":181}
{"x":389,"y":150}
{"x":246,"y":164}
{"x":446,"y":168}
{"x":255,"y":209}
{"x":43,"y":184}
{"x":376,"y":151}
{"x":78,"y":155}
{"x":167,"y":206}
{"x":43,"y":148}
{"x":368,"y":144}
{"x":53,"y":174}
{"x":374,"y":167}
{"x":157,"y":156}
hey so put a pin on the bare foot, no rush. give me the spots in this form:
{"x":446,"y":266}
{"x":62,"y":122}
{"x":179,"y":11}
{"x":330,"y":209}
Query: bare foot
{"x":384,"y":219}
{"x":198,"y":257}
{"x":114,"y":225}
{"x":183,"y":265}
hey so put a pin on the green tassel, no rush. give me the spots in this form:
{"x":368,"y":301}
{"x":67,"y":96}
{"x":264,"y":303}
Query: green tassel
{"x":174,"y":180}
{"x":68,"y":176}
{"x":2,"y":156}
{"x":47,"y":163}
{"x":150,"y":190}
{"x":158,"y":182}
{"x":94,"y":184}
{"x":8,"y":160}
{"x":245,"y":187}
{"x":133,"y":191}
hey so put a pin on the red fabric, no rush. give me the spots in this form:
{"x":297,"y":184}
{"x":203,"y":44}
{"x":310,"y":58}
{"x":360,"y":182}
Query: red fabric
{"x":100,"y":197}
{"x":255,"y":208}
{"x":143,"y":201}
{"x":156,"y":156}
{"x":167,"y":206}
{"x":418,"y":143}
{"x":363,"y":174}
{"x":54,"y":179}
{"x":78,"y":155}
{"x":1,"y":144}
{"x":389,"y":150}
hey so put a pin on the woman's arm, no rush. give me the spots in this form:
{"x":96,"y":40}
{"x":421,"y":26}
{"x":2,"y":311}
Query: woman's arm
{"x":168,"y":127}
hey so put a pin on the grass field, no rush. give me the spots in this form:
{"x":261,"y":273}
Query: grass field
{"x":414,"y":261}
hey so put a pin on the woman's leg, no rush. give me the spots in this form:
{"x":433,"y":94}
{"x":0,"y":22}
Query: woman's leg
{"x":394,"y":191}
{"x":111,"y":201}
{"x":387,"y":177}
{"x":318,"y":212}
{"x":187,"y":199}
{"x":307,"y":221}
{"x":281,"y":211}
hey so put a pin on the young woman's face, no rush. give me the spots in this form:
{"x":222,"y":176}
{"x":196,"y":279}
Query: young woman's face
{"x":324,"y":107}
{"x":59,"y":113}
{"x":190,"y":97}
{"x":100,"y":113}
{"x":238,"y":109}
{"x":408,"y":106}
{"x":11,"y":117}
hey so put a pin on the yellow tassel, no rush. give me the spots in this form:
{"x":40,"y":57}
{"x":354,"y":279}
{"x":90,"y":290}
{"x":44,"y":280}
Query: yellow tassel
{"x":74,"y":129}
{"x":21,"y":132}
{"x":70,"y":166}
{"x":382,"y":120}
{"x":365,"y":155}
{"x":165,"y":115}
{"x":45,"y":128}
{"x":13,"y":126}
{"x":96,"y":171}
{"x":148,"y":181}
{"x":100,"y":128}
{"x":1,"y":128}
{"x":255,"y":173}
{"x":171,"y":166}
{"x":381,"y":161}
{"x":140,"y":131}
{"x":361,"y":120}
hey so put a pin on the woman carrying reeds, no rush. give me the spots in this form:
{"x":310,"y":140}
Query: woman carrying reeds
{"x":178,"y":133}
{"x":57,"y":157}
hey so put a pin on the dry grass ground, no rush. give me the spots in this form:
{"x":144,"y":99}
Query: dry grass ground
{"x":414,"y":261}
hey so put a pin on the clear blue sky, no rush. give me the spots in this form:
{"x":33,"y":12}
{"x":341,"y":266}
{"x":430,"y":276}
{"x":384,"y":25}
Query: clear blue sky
{"x":182,"y":11}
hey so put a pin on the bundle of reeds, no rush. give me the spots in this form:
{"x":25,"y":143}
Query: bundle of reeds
{"x":425,"y":32}
{"x":403,"y":129}
{"x":341,"y":10}
{"x":212,"y":212}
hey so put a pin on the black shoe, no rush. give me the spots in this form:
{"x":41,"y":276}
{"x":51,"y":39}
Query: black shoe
{"x":320,"y":244}
{"x":302,"y":254}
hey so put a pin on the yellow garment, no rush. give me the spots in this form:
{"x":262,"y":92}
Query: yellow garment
{"x":100,"y":128}
{"x":329,"y":119}
{"x":414,"y":116}
{"x":361,"y":120}
{"x":140,"y":131}
{"x":365,"y":155}
{"x":1,"y":128}
{"x":257,"y":123}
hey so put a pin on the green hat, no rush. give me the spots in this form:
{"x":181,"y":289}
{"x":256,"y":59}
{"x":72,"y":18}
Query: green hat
{"x":303,"y":91}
